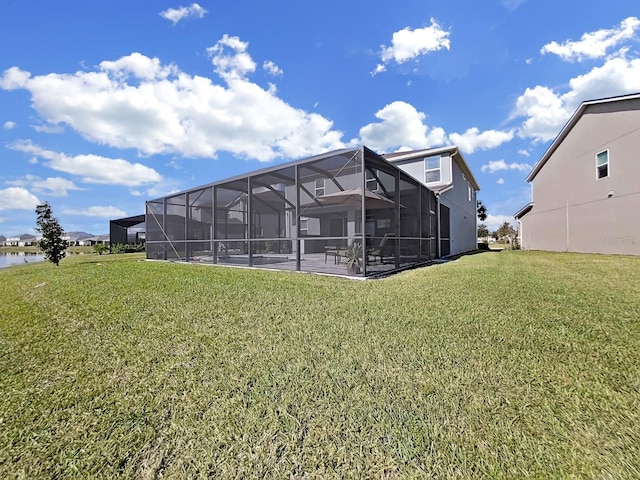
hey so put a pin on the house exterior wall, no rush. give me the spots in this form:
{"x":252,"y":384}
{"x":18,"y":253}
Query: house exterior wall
{"x":463,"y":227}
{"x":573,"y":209}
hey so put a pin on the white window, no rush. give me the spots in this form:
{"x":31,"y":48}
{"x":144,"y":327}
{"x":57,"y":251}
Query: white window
{"x":304,"y":225}
{"x":432,"y":172}
{"x":370,"y":181}
{"x":470,"y":190}
{"x":319,"y":187}
{"x":602,"y":164}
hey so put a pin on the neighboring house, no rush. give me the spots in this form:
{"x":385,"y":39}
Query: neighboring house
{"x":3,"y":240}
{"x":24,"y":240}
{"x":445,"y":171}
{"x":127,"y":230}
{"x":586,"y":187}
{"x":76,"y":238}
{"x":91,"y":241}
{"x":350,"y":211}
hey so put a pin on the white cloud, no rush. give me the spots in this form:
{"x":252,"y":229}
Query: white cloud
{"x":177,"y":14}
{"x":48,"y":128}
{"x":473,"y":140}
{"x":272,"y":68}
{"x":231,"y":59}
{"x":407,"y":44}
{"x":594,"y":44}
{"x":402,"y":128}
{"x":499,"y":165}
{"x":104,"y":212}
{"x":8,"y":125}
{"x":52,"y":186}
{"x":55,"y":186}
{"x":93,"y":168}
{"x":14,"y":78}
{"x":500,"y":181}
{"x":616,"y":77}
{"x":524,"y":152}
{"x":493,"y":222}
{"x":18,"y":198}
{"x":137,"y":102}
{"x":548,"y":111}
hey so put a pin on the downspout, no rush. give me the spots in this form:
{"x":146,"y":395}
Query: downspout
{"x":566,"y":208}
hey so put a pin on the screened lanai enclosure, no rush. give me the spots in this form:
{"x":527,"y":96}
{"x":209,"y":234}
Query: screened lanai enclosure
{"x":347,"y":212}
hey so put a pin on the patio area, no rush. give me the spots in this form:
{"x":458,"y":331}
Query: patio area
{"x":348,"y":212}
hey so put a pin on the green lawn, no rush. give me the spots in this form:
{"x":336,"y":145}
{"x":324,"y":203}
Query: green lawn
{"x":497,"y":365}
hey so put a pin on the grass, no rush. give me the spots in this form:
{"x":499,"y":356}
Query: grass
{"x":497,"y":365}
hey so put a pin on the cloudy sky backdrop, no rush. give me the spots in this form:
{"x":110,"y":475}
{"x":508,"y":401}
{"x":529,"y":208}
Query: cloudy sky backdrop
{"x":104,"y":105}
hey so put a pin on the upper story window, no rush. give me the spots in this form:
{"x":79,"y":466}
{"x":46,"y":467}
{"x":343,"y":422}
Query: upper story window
{"x":370,"y":181}
{"x":470,"y":191}
{"x":319,"y":187}
{"x":602,"y":164}
{"x":432,"y":170}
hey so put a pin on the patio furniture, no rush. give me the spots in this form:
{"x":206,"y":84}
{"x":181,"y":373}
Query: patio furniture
{"x":334,"y":251}
{"x":381,"y":251}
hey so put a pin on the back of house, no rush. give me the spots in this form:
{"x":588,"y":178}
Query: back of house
{"x":586,"y":192}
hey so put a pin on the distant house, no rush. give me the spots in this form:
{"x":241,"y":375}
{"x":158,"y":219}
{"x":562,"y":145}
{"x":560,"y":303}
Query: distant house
{"x":24,"y":240}
{"x":128,"y":230}
{"x":76,"y":238}
{"x":98,"y":239}
{"x":3,"y":240}
{"x":585,"y":188}
{"x":445,"y":172}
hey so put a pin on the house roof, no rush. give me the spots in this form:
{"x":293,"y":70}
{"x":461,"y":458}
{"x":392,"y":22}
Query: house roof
{"x":523,"y":211}
{"x":97,"y":238}
{"x":569,"y":126}
{"x":76,"y":236}
{"x":351,"y":151}
{"x":430,"y":152}
{"x":22,"y":237}
{"x":127,"y":222}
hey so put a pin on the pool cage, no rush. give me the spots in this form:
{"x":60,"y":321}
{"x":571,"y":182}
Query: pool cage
{"x":347,"y":212}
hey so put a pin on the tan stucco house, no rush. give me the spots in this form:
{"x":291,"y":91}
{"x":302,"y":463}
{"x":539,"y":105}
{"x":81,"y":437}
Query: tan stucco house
{"x":586,"y":187}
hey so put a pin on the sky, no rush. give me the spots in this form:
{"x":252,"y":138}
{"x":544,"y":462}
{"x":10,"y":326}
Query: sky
{"x":104,"y":105}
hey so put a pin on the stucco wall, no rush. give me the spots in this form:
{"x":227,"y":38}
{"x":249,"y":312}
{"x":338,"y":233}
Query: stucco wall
{"x":573,"y":209}
{"x":463,"y":213}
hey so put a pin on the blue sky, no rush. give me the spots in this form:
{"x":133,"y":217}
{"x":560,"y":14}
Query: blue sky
{"x":104,"y":105}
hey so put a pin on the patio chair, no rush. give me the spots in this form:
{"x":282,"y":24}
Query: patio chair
{"x":381,"y":251}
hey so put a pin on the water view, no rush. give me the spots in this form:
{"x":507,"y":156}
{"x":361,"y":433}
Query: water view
{"x":16,"y":258}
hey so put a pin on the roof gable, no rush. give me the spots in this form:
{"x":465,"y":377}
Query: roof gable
{"x":452,"y":150}
{"x":575,"y":118}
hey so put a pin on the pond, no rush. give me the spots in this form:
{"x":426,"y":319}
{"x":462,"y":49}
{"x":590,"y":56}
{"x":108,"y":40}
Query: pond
{"x":17,"y":258}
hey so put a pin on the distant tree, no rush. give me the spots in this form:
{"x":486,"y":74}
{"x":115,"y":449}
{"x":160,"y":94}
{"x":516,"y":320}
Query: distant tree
{"x":52,"y":244}
{"x":482,"y":211}
{"x":507,"y":233}
{"x":483,"y":231}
